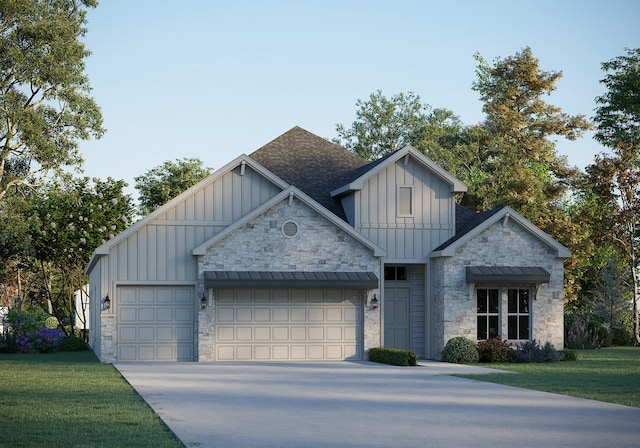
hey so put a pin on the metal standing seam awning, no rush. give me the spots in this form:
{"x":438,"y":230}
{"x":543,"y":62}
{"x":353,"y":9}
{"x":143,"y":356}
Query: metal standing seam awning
{"x":289,"y":280}
{"x":507,"y":274}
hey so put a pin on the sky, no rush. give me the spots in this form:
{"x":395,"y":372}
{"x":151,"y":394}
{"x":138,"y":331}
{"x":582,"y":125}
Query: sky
{"x":216,"y":79}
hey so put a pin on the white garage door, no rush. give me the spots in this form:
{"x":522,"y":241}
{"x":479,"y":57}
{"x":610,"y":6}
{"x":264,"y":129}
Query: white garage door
{"x":288,"y":325}
{"x":155,"y":323}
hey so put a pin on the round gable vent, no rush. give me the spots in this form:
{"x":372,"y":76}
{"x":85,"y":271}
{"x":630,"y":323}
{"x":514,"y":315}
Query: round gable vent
{"x":290,"y":229}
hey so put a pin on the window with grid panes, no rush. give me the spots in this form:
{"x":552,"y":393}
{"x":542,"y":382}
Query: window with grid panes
{"x":488,"y":301}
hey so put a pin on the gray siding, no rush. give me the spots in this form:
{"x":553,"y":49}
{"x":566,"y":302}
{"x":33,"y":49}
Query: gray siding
{"x":161,"y":250}
{"x":405,"y":238}
{"x":417,"y":279}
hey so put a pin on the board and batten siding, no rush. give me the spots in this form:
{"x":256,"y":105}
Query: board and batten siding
{"x":162,"y":249}
{"x":405,"y":238}
{"x":417,"y":279}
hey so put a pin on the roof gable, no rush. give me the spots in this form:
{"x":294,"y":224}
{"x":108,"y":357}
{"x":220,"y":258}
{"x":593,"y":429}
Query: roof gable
{"x":360,"y":176}
{"x":483,"y":220}
{"x":241,"y":161}
{"x":314,"y":165}
{"x":289,"y":194}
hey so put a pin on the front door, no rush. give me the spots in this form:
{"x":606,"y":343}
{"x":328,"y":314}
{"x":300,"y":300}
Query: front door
{"x":396,"y":318}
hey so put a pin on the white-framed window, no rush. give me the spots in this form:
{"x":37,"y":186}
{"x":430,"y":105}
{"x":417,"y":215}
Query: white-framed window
{"x":404,"y":201}
{"x":395,"y":273}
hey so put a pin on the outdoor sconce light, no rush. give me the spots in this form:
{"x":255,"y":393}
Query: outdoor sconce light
{"x":107,"y":302}
{"x":374,"y":303}
{"x":203,"y":302}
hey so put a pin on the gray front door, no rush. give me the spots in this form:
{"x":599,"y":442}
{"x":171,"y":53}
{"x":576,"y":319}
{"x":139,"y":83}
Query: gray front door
{"x":396,"y":318}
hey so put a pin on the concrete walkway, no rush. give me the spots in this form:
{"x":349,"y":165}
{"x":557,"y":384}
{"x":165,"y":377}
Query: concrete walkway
{"x":364,"y":405}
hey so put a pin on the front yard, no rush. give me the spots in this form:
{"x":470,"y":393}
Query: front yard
{"x":608,"y":374}
{"x":70,"y":399}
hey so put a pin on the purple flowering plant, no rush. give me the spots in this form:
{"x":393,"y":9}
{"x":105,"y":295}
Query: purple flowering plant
{"x":43,"y":341}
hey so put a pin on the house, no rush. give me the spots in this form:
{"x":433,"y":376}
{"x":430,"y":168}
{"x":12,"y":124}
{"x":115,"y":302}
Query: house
{"x":304,"y":251}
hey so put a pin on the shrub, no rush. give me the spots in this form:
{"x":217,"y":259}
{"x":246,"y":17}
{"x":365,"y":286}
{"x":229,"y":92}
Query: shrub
{"x":43,"y":341}
{"x":460,"y":350}
{"x":8,"y":343}
{"x":72,"y":344}
{"x":495,"y":350}
{"x":532,"y":351}
{"x":51,"y":322}
{"x":24,"y":322}
{"x":569,"y":355}
{"x":393,"y":356}
{"x":580,"y":332}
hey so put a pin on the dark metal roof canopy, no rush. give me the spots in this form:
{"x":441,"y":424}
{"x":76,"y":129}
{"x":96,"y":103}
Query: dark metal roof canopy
{"x":507,"y":274}
{"x":290,"y":280}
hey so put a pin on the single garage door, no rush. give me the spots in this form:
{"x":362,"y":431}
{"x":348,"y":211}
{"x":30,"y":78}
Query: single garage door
{"x":155,"y":323}
{"x":288,"y":325}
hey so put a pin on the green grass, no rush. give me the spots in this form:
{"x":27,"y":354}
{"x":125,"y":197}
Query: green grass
{"x":71,"y":399}
{"x":608,"y":374}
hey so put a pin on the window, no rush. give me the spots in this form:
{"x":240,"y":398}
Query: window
{"x":395,"y":273}
{"x":518,"y":314}
{"x":488,"y":313}
{"x":405,"y":201}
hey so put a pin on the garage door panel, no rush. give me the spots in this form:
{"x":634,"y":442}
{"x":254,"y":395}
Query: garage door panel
{"x":165,"y":333}
{"x":163,"y":314}
{"x":244,"y":334}
{"x":128,"y":314}
{"x":244,"y":315}
{"x":281,"y":333}
{"x":262,"y":314}
{"x":146,"y":333}
{"x":297,"y":325}
{"x":155,"y":323}
{"x":127,"y":334}
{"x":262,"y":333}
{"x":280,"y":314}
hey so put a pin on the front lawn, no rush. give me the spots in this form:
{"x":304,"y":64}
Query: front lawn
{"x":71,"y":399}
{"x":608,"y":374}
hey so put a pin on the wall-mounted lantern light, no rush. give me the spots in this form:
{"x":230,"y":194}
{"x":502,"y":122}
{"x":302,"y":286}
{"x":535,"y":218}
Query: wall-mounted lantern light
{"x":107,"y":302}
{"x":374,"y":303}
{"x":203,"y":302}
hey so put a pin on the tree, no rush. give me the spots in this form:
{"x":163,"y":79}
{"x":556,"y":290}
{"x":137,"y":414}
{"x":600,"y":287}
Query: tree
{"x":69,"y":220}
{"x":383,"y":125}
{"x":611,"y":298}
{"x":616,"y":176}
{"x":522,"y":168}
{"x":163,"y":183}
{"x":45,"y":107}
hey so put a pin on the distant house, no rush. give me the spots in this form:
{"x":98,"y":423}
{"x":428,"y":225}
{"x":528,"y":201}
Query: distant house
{"x":304,"y":251}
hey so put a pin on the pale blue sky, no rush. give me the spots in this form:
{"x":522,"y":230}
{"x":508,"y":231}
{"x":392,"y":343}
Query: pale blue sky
{"x":216,"y":79}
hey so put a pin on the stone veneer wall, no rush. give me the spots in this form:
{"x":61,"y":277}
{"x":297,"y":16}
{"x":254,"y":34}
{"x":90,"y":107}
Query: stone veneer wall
{"x":510,"y":245}
{"x":261,"y":246}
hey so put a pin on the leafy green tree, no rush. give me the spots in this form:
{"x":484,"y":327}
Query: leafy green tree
{"x":616,"y":176}
{"x":611,"y":297}
{"x":45,"y":107}
{"x":383,"y":124}
{"x":70,"y":219}
{"x":163,"y":183}
{"x":522,"y":168}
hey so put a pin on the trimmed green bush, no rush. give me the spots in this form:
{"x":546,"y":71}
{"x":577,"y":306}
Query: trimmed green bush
{"x":393,"y":356}
{"x":72,"y":344}
{"x":569,"y":355}
{"x":51,"y":322}
{"x":460,"y":350}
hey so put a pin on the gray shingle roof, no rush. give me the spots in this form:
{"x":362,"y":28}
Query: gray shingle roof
{"x":311,"y":163}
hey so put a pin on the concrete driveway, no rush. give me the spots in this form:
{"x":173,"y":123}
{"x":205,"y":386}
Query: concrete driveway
{"x":368,"y":405}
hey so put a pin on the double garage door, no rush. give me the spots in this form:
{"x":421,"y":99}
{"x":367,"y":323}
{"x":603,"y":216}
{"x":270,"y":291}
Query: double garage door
{"x":155,"y":323}
{"x":288,"y":325}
